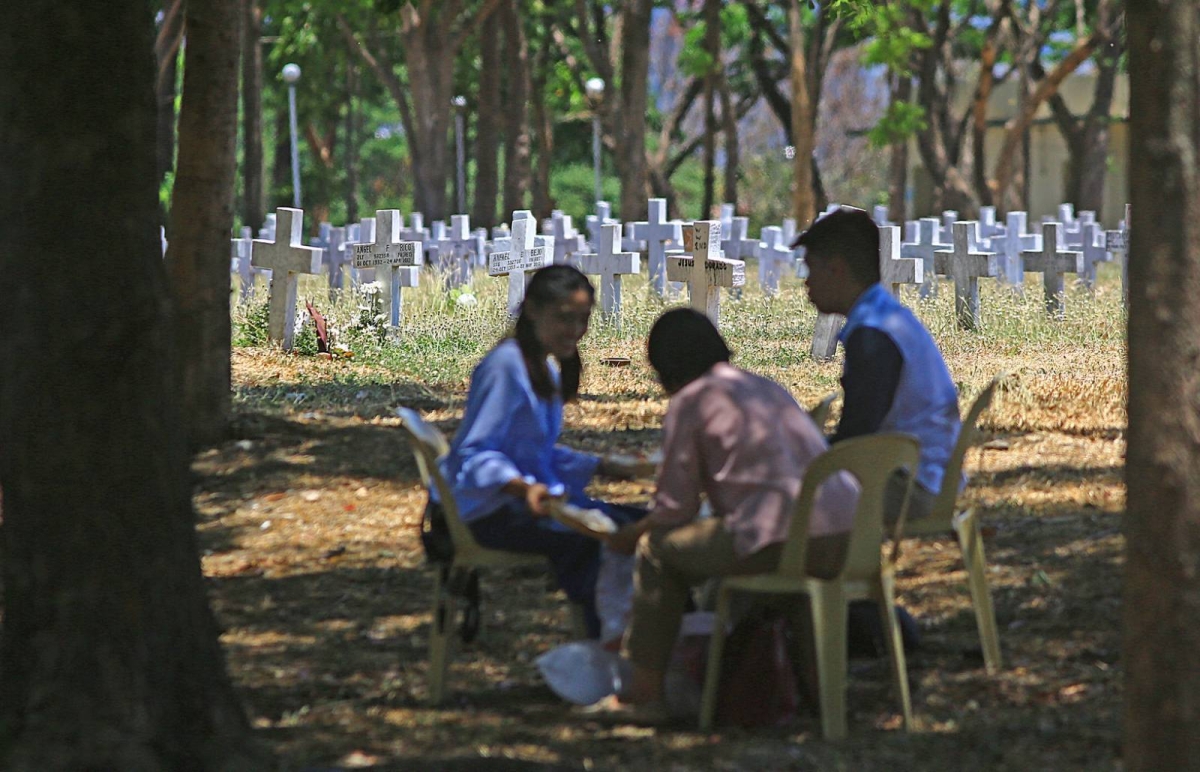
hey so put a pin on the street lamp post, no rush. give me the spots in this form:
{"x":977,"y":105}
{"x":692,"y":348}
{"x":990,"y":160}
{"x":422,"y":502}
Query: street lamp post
{"x":291,"y":74}
{"x":460,"y":152}
{"x":595,"y":92}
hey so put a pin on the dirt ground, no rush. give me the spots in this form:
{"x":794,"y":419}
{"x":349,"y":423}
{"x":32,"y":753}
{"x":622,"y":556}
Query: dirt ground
{"x":309,"y":519}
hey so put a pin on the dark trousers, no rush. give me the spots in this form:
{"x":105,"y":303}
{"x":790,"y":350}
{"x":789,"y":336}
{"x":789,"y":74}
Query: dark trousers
{"x":574,"y":558}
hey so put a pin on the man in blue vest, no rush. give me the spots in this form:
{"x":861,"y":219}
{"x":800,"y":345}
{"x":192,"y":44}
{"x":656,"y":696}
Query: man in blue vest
{"x":894,"y":378}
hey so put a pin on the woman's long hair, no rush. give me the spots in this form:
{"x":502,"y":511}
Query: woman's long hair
{"x":549,"y":285}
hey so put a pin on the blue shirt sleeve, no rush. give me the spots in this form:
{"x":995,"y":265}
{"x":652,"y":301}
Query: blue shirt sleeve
{"x":496,"y":391}
{"x":574,"y":468}
{"x":869,"y":382}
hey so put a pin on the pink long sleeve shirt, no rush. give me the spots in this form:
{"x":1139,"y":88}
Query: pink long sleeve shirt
{"x":742,"y":441}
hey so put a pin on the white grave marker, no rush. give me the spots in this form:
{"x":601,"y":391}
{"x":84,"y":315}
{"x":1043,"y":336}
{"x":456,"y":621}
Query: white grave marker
{"x":240,"y":263}
{"x":610,"y":265}
{"x":773,"y":255}
{"x":567,"y":241}
{"x":519,"y":257}
{"x":285,"y":257}
{"x":1052,"y":261}
{"x":927,"y":244}
{"x":895,"y":270}
{"x":1117,"y":243}
{"x":704,"y":271}
{"x":592,"y":223}
{"x":658,"y":231}
{"x":1015,"y":243}
{"x":880,"y":215}
{"x":965,"y":266}
{"x":400,"y":260}
{"x":1094,"y":245}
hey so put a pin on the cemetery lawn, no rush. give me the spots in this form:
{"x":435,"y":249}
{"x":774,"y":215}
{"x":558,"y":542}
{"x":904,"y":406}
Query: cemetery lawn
{"x":309,"y":520}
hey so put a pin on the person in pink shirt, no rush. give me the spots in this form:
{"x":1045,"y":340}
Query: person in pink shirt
{"x":742,"y":442}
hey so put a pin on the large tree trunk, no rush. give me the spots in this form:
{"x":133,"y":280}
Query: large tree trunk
{"x":429,"y":58}
{"x":543,"y":123}
{"x":516,"y":123}
{"x":712,"y":46}
{"x":487,"y":128}
{"x":901,"y":93}
{"x":352,"y":124}
{"x":253,"y":205}
{"x":803,"y":123}
{"x":108,"y":654}
{"x":1162,"y":526}
{"x":729,"y":127}
{"x":281,"y":167}
{"x":630,"y":133}
{"x":198,"y":255}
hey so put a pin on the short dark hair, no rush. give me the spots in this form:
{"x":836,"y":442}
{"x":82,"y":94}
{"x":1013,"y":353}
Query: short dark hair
{"x":683,"y":345}
{"x":848,"y":233}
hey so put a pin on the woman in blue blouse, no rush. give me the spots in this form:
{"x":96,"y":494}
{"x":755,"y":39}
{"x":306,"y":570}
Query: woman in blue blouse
{"x":504,"y":465}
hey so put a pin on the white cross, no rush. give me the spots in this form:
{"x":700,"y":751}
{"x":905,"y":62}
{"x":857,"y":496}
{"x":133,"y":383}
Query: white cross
{"x":400,"y":260}
{"x":657,"y":231}
{"x":965,"y":265}
{"x":949,"y":217}
{"x":1117,"y":243}
{"x":361,"y":232}
{"x":285,"y":258}
{"x":240,"y":263}
{"x":455,"y":251}
{"x":1052,"y":261}
{"x":337,"y":259}
{"x":267,"y":231}
{"x":1095,"y":250}
{"x":592,"y":223}
{"x":704,"y":271}
{"x":518,"y":257}
{"x":609,"y":265}
{"x":789,"y":235}
{"x":927,"y":244}
{"x":988,"y":227}
{"x":1016,"y":242}
{"x":880,"y":215}
{"x":567,"y":241}
{"x":726,"y":218}
{"x":895,"y":270}
{"x":630,"y":241}
{"x":773,"y":254}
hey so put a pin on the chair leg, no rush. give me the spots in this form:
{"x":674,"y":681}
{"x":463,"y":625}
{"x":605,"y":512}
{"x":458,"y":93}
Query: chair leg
{"x":712,"y":675}
{"x":441,"y":635}
{"x":578,"y":623}
{"x":829,"y":642}
{"x":966,"y":526}
{"x":895,"y":644}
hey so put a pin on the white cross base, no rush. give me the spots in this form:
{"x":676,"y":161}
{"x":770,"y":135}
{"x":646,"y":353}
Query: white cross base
{"x":1052,"y":261}
{"x":965,"y":265}
{"x":285,"y":257}
{"x":825,"y":336}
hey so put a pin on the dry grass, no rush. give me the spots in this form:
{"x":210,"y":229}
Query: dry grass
{"x":309,"y":519}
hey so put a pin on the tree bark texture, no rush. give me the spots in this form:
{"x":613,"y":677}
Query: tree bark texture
{"x":630,"y":152}
{"x":429,"y":57}
{"x":487,"y":127}
{"x":712,"y":46}
{"x":803,"y":123}
{"x":253,"y":202}
{"x":352,"y":138}
{"x":1162,"y":525}
{"x":517,"y":159}
{"x":198,"y":256}
{"x":543,"y":123}
{"x":729,"y":128}
{"x":108,"y":654}
{"x":898,"y":162}
{"x":166,"y":55}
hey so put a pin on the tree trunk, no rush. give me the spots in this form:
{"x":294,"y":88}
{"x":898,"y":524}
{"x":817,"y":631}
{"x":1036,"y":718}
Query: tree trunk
{"x":729,"y":127}
{"x":166,"y":55}
{"x":253,"y":206}
{"x":630,"y":151}
{"x":352,"y":124}
{"x":429,"y":59}
{"x":1088,"y":145}
{"x":804,"y":140}
{"x":108,"y":654}
{"x":898,"y":163}
{"x":198,"y":255}
{"x":281,"y":167}
{"x":543,"y":202}
{"x":712,"y":46}
{"x":1162,"y":526}
{"x":487,"y":124}
{"x":516,"y":123}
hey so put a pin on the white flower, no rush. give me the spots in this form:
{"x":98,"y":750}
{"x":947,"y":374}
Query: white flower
{"x":466,"y":300}
{"x":371,"y":288}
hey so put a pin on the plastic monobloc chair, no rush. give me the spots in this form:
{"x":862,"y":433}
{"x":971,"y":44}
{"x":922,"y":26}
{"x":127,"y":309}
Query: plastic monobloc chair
{"x":946,"y":517}
{"x":428,"y":445}
{"x":866,"y":574}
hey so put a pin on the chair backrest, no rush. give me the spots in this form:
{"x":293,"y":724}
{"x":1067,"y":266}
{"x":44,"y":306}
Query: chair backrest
{"x":428,"y":445}
{"x":820,"y":411}
{"x":871,"y":460}
{"x":968,"y":434}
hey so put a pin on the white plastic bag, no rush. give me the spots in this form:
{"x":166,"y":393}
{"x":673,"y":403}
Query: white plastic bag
{"x":583,"y":672}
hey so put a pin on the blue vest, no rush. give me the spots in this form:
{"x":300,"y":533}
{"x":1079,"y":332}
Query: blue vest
{"x":926,"y":402}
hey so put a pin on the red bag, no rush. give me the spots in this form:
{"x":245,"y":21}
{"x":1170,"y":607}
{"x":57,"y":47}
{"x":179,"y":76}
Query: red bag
{"x":758,"y":684}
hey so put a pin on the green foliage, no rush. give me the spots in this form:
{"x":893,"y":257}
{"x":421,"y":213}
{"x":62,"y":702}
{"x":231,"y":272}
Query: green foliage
{"x":900,"y":121}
